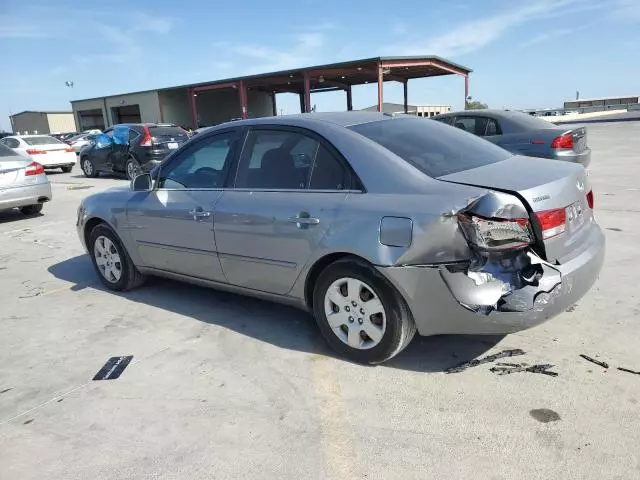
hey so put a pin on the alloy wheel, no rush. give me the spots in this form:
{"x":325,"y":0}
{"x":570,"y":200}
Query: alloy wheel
{"x":107,"y":259}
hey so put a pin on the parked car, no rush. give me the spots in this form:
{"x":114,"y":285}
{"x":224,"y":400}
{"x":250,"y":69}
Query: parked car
{"x":379,"y":225}
{"x":523,"y":134}
{"x":23,"y":183}
{"x":130,"y":148}
{"x":63,"y":136}
{"x":80,"y":141}
{"x":50,"y":152}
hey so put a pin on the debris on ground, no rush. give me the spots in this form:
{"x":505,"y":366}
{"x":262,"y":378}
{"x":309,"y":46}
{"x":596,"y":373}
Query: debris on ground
{"x":622,"y":369}
{"x":593,"y":360}
{"x":113,"y":368}
{"x":542,"y":368}
{"x":488,"y":359}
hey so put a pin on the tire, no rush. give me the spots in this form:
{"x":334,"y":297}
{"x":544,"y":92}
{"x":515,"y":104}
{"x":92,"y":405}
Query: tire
{"x":394,"y":327}
{"x":129,"y":277}
{"x":88,"y":168}
{"x":132,"y":168}
{"x":32,"y":209}
{"x":66,"y":169}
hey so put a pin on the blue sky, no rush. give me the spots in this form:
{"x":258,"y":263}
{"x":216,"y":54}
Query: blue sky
{"x":533,"y":53}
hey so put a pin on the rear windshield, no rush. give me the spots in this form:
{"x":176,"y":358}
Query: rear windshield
{"x":167,"y":132}
{"x":529,"y":122}
{"x":40,"y":140}
{"x":432,"y":147}
{"x":7,"y":152}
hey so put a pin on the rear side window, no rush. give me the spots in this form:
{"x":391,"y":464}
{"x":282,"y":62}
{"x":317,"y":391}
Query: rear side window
{"x":431,"y":147}
{"x":41,"y":140}
{"x":7,"y":152}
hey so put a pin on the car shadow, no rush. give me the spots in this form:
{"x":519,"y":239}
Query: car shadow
{"x":15,"y":215}
{"x":279,"y":325}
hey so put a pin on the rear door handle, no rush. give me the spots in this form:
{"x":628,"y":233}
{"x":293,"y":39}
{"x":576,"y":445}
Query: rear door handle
{"x":303,"y":220}
{"x":198,"y":213}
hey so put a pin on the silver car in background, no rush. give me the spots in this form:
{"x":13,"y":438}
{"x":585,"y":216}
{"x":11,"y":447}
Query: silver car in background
{"x":379,"y":226}
{"x":23,"y":183}
{"x":523,"y":134}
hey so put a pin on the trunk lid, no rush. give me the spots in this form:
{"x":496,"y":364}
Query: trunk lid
{"x":543,"y":185}
{"x":12,"y":170}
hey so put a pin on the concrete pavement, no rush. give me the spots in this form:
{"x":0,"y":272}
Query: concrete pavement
{"x":222,"y":386}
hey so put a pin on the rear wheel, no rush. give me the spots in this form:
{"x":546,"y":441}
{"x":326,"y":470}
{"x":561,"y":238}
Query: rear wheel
{"x":360,"y":314}
{"x":67,"y":169}
{"x":132,"y":168}
{"x":32,"y":209}
{"x":111,"y":260}
{"x":88,"y":168}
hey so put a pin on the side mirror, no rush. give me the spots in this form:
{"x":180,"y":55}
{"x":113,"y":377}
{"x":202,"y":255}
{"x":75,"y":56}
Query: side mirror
{"x":142,"y":183}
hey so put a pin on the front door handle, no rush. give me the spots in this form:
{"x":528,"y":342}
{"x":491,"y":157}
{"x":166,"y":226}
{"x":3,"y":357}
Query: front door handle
{"x":198,"y":213}
{"x":304,"y":220}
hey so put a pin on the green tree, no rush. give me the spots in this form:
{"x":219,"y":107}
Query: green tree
{"x":471,"y":104}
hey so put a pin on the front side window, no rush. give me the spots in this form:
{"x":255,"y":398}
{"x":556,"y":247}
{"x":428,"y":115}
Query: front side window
{"x":204,"y":165}
{"x":274,"y":159}
{"x":431,"y":147}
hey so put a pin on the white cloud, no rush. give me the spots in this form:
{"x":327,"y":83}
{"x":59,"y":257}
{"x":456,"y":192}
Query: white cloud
{"x":307,"y":48}
{"x":552,"y":34}
{"x":475,"y":34}
{"x":625,"y":10}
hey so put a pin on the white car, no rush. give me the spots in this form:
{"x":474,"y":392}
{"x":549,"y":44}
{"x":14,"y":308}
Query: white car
{"x":23,"y":183}
{"x":47,"y":151}
{"x":80,"y":141}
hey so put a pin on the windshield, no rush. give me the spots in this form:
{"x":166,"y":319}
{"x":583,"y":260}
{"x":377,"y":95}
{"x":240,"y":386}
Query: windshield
{"x":433,"y":147}
{"x":41,"y":140}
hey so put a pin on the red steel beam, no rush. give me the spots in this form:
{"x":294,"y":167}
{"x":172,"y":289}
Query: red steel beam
{"x":307,"y":92}
{"x":243,"y":99}
{"x":405,"y":88}
{"x":466,"y":90}
{"x":216,"y":86}
{"x":380,"y":90}
{"x":429,"y":63}
{"x":194,"y":108}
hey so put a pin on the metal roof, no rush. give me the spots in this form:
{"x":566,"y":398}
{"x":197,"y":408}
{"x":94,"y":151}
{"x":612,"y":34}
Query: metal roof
{"x":278,"y":81}
{"x":42,"y":112}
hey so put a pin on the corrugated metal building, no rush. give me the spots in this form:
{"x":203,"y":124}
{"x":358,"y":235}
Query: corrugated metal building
{"x":30,"y":122}
{"x":209,"y":103}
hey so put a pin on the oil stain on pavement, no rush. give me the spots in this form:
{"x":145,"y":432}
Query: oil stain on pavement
{"x":544,"y":415}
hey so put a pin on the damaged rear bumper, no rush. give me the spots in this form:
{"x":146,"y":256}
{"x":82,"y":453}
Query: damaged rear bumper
{"x":446,"y":300}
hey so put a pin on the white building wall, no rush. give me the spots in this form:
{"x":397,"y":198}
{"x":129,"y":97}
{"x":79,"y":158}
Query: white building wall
{"x":61,"y":122}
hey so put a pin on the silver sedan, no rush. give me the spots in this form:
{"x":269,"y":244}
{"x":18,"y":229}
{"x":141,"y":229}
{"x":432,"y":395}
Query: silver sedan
{"x":23,"y":183}
{"x":379,"y":226}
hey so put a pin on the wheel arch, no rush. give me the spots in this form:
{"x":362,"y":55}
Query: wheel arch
{"x":319,"y":266}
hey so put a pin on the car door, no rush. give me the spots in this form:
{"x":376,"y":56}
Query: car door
{"x":172,"y":225}
{"x":101,"y":151}
{"x":289,"y":186}
{"x":120,"y":151}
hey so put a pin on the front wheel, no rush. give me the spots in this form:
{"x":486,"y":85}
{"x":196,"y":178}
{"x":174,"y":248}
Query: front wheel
{"x":88,"y":168}
{"x":360,"y":314}
{"x":111,"y":260}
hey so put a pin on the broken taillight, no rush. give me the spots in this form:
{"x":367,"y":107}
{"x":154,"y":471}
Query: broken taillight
{"x":563,"y":141}
{"x":552,"y":222}
{"x":496,"y":234}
